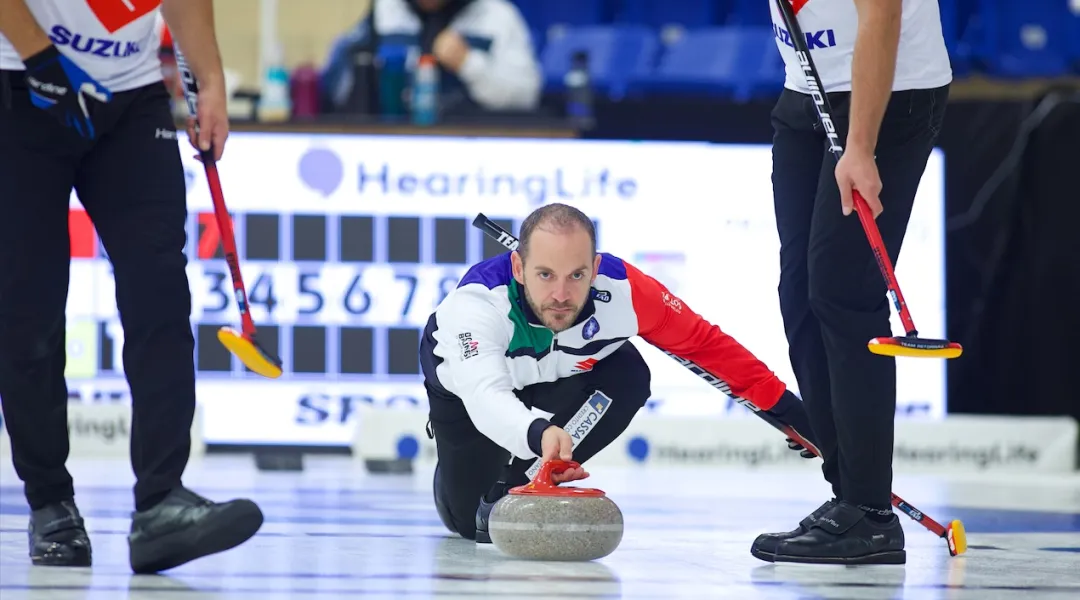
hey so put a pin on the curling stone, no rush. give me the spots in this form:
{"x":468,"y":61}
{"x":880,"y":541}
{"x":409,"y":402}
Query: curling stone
{"x":542,"y":521}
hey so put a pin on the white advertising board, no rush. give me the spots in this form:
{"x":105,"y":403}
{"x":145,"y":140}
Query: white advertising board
{"x":955,"y":444}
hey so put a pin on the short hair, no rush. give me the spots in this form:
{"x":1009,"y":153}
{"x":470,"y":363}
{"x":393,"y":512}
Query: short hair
{"x":557,"y":217}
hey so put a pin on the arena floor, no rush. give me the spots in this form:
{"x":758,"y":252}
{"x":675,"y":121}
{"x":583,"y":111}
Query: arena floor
{"x":335,"y":531}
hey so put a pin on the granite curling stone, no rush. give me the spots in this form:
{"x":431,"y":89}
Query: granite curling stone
{"x":542,"y":521}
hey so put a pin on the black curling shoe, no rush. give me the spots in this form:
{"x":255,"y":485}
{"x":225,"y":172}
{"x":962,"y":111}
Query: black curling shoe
{"x":765,"y":544}
{"x":58,"y":536}
{"x":844,"y":535}
{"x":185,"y":526}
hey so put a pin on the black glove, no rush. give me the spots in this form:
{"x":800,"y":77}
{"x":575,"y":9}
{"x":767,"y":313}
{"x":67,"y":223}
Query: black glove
{"x":60,"y":87}
{"x":791,"y":412}
{"x":803,"y":452}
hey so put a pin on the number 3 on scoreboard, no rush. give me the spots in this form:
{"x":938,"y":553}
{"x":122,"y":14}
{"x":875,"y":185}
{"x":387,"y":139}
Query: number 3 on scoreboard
{"x":217,"y":290}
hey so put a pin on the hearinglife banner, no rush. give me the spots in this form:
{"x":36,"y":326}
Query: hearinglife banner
{"x":697,"y":216}
{"x":956,"y":444}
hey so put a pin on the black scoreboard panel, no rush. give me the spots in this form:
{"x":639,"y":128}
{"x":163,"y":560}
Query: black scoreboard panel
{"x":307,"y":282}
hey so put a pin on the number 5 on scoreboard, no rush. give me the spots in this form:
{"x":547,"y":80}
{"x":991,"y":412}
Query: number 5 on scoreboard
{"x":308,"y":287}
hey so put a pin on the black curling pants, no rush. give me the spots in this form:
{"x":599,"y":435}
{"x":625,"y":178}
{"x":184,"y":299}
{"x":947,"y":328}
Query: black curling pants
{"x":470,"y":464}
{"x":832,"y":294}
{"x":131,"y":182}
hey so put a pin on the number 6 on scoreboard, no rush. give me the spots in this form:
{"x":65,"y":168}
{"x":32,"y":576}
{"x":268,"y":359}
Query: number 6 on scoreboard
{"x":357,"y":300}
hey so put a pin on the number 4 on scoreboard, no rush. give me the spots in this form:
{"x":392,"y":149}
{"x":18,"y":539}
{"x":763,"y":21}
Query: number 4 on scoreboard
{"x":263,"y":293}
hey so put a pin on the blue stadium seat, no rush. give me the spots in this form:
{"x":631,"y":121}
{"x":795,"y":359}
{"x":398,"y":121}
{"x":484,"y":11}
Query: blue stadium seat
{"x":528,"y":10}
{"x":539,"y":39}
{"x":965,"y":35}
{"x":954,"y":23}
{"x":950,"y":22}
{"x":735,"y":62}
{"x":1028,"y":39}
{"x":767,"y":80}
{"x":685,"y":13}
{"x":615,"y":54}
{"x":748,"y":12}
{"x":543,"y":14}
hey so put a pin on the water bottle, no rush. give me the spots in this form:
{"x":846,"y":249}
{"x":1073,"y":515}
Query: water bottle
{"x":579,"y":96}
{"x":425,"y":91}
{"x":362,"y":95}
{"x":393,"y":81}
{"x":275,"y":104}
{"x":304,"y":92}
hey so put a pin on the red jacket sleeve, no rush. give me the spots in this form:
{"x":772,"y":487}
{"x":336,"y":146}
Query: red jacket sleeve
{"x":668,"y":323}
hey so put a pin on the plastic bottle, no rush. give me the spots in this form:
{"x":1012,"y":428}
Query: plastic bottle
{"x":304,"y":92}
{"x":579,"y":94}
{"x":425,"y":91}
{"x":363,"y":95}
{"x":274,"y":104}
{"x":393,"y":81}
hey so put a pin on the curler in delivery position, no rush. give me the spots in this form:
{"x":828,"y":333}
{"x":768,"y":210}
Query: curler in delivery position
{"x":547,"y":326}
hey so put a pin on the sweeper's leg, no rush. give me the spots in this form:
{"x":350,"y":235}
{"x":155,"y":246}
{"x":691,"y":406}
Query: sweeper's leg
{"x":38,"y":157}
{"x":132,"y":185}
{"x":847,"y":294}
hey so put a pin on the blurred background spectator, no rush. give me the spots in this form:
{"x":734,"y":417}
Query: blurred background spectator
{"x":483,"y":56}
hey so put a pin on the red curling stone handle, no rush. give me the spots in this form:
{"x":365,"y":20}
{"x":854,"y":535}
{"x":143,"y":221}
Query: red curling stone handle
{"x":542,"y":485}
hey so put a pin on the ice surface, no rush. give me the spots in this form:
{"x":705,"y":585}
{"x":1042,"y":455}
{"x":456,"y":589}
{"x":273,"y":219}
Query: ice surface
{"x":335,"y":531}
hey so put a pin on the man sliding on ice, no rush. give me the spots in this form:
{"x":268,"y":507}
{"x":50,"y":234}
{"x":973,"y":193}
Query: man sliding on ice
{"x":547,"y":326}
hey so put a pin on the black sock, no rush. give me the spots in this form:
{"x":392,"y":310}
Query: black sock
{"x":497,"y":491}
{"x":877,"y":514}
{"x":509,"y":480}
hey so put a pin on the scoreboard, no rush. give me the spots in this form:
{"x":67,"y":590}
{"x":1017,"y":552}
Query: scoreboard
{"x":332,"y":295}
{"x":340,"y":298}
{"x":347,"y":244}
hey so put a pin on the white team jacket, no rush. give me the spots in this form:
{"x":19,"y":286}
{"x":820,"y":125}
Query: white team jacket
{"x":483,"y":342}
{"x":115,"y":41}
{"x":830,"y":27}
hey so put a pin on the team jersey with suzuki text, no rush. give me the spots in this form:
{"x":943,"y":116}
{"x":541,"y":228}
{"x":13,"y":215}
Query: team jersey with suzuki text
{"x":829,"y":27}
{"x":115,"y":41}
{"x":484,"y":341}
